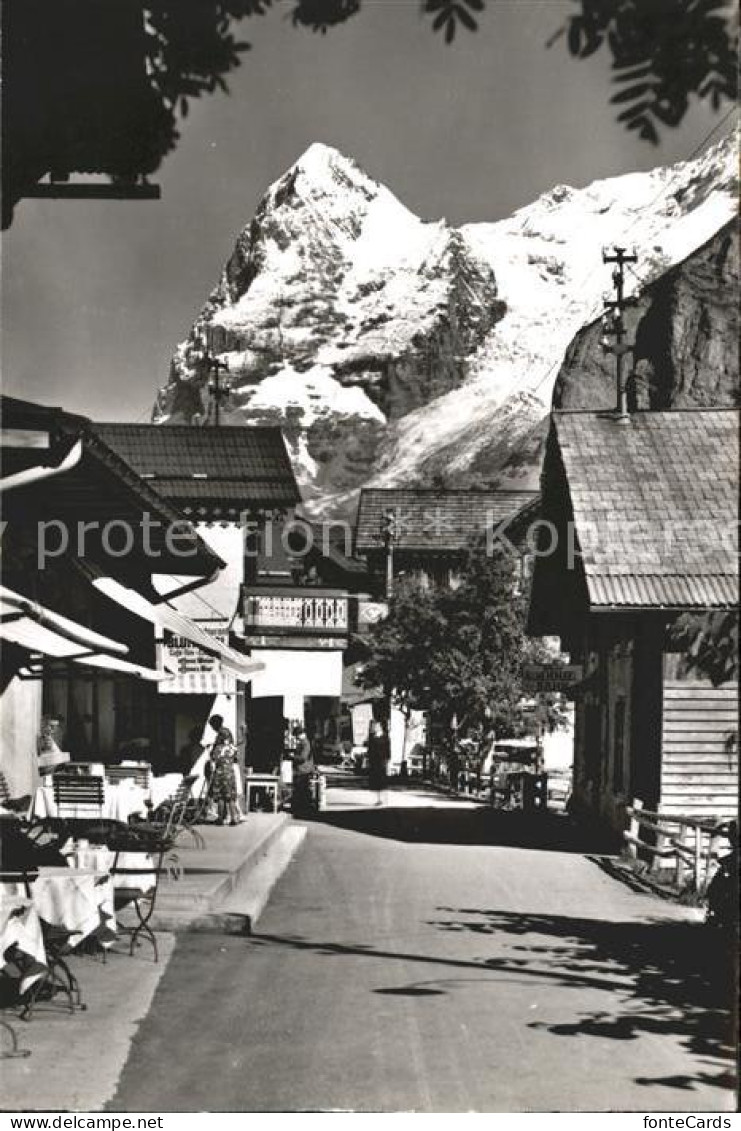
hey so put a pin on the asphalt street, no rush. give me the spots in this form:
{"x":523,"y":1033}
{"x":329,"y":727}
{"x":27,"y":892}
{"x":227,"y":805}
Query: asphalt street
{"x":433,"y":956}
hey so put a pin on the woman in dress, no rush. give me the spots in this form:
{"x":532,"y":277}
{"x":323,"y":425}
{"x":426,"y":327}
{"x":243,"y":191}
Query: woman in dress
{"x":379,"y":753}
{"x":223,"y":778}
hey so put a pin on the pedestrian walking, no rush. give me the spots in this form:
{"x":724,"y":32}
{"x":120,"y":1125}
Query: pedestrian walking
{"x":379,"y":753}
{"x":223,"y":778}
{"x":303,"y":769}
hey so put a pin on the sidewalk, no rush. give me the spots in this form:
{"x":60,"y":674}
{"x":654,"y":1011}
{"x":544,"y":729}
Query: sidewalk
{"x":76,"y":1059}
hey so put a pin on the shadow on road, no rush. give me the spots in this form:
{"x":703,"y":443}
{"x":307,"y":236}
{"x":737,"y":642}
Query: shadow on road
{"x":447,"y":824}
{"x":670,"y":980}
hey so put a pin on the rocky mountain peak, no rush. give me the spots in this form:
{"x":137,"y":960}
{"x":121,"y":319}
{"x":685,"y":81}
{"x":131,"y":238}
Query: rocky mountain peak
{"x":391,"y":349}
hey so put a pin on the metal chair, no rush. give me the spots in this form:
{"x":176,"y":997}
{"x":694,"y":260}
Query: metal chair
{"x":141,"y":775}
{"x":176,"y":815}
{"x":143,"y":901}
{"x":78,"y":798}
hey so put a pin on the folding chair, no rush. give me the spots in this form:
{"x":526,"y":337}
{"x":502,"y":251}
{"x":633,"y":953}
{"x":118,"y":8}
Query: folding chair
{"x":78,"y":798}
{"x":173,"y":817}
{"x":142,"y":900}
{"x":141,"y":775}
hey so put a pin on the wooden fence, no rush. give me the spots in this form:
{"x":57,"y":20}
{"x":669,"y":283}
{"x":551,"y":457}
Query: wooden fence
{"x":687,"y":847}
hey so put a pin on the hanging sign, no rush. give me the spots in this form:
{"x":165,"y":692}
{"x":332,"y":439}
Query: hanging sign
{"x":198,"y":673}
{"x":551,"y":677}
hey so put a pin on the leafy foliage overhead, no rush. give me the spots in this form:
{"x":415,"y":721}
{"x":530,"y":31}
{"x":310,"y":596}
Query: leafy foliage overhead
{"x":663,"y":51}
{"x":710,"y":644}
{"x":97,"y":87}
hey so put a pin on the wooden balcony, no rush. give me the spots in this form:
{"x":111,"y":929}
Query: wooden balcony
{"x":296,"y":611}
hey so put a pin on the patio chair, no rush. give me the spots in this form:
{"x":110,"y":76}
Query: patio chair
{"x":176,"y":815}
{"x":78,"y":798}
{"x":142,"y":900}
{"x":141,"y":775}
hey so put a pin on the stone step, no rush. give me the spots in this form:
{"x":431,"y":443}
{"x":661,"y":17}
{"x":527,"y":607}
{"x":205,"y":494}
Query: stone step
{"x":209,"y":877}
{"x":235,"y":900}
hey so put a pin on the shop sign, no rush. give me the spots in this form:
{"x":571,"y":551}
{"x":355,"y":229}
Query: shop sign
{"x":544,"y":678}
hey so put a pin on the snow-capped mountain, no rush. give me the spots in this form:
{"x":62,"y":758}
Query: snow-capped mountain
{"x":393,"y":349}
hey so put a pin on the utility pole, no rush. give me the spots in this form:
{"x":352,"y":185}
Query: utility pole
{"x":217,"y":391}
{"x":616,"y":328}
{"x":389,"y":530}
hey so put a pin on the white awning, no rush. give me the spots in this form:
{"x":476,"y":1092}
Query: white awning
{"x":113,"y":664}
{"x":42,"y":471}
{"x":31,"y":626}
{"x":163,"y":616}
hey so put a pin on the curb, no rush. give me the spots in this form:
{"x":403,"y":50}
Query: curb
{"x":236,"y":909}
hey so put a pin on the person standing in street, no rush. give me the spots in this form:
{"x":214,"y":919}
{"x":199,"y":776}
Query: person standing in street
{"x":223,"y":778}
{"x":379,"y":753}
{"x":303,"y":768}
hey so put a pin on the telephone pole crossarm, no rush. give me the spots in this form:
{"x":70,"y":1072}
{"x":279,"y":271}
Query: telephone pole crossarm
{"x":616,"y":328}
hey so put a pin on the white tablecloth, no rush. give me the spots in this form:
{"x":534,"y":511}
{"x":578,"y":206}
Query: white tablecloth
{"x":164,"y":787}
{"x":102,"y":860}
{"x":22,"y":954}
{"x":78,"y":900}
{"x":121,"y":801}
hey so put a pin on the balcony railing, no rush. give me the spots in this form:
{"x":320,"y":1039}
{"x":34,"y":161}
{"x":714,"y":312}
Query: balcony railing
{"x":296,"y":611}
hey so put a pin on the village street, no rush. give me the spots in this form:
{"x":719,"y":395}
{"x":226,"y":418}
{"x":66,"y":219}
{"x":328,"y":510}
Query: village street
{"x":434,"y":956}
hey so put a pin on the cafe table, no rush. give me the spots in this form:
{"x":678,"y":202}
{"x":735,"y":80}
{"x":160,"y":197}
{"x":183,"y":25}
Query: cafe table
{"x":22,"y":952}
{"x":78,"y":901}
{"x":135,"y":871}
{"x":164,"y":787}
{"x":121,"y":800}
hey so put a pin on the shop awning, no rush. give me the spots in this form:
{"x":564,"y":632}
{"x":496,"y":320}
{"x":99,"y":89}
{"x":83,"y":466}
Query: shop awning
{"x":40,"y":471}
{"x":113,"y":664}
{"x":31,"y":626}
{"x":163,"y":617}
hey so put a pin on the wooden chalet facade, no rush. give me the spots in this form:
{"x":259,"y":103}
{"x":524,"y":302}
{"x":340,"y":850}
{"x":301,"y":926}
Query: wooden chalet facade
{"x":284,"y":595}
{"x":82,"y":526}
{"x":645,"y":514}
{"x":427,"y":533}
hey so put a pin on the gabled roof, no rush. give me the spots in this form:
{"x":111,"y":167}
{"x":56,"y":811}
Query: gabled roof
{"x":434,"y":520}
{"x":17,"y":413}
{"x":655,"y":505}
{"x":230,"y":467}
{"x":101,"y":487}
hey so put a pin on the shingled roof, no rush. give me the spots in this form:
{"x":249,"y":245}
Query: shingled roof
{"x":229,"y":468}
{"x":443,"y":521}
{"x":655,"y":505}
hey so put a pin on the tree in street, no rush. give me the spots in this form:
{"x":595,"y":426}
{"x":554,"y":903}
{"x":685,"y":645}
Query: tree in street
{"x":457,"y":652}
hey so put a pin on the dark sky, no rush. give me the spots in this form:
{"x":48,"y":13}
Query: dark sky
{"x":96,"y":295}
